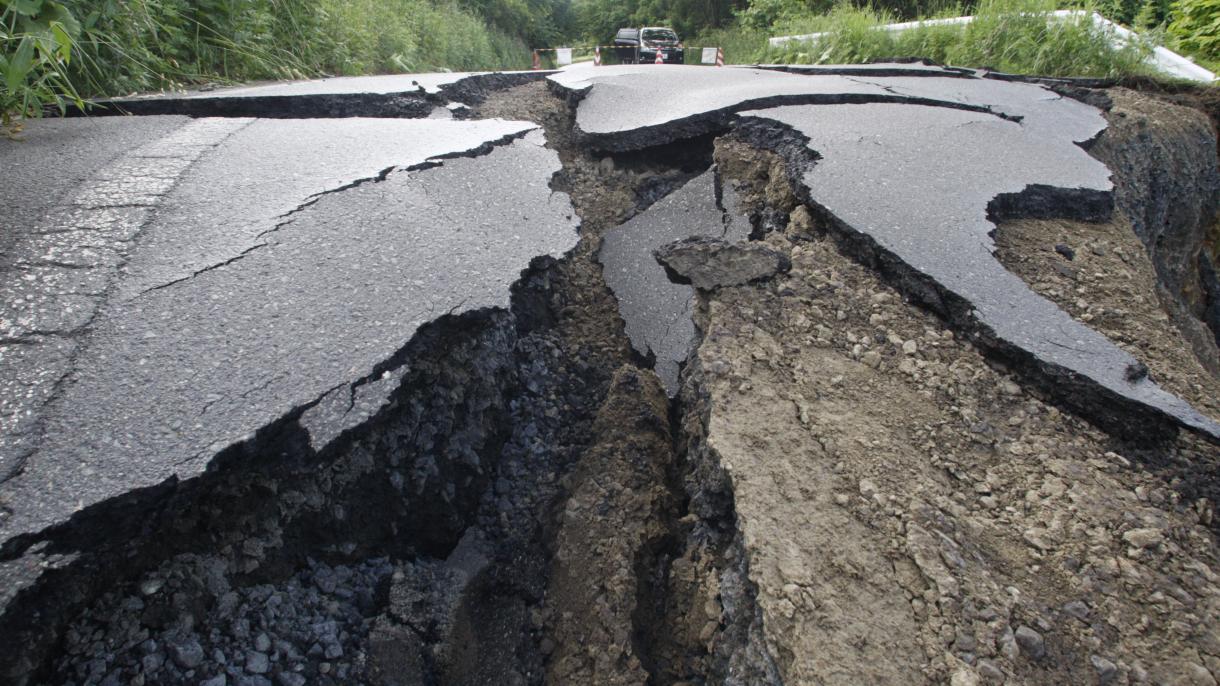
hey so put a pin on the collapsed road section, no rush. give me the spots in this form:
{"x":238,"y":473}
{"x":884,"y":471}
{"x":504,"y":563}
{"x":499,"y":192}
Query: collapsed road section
{"x":864,"y":171}
{"x":805,"y":376}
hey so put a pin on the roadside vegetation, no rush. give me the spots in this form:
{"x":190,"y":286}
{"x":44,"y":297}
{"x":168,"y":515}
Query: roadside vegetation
{"x":1018,"y":37}
{"x":1008,"y":35}
{"x":57,"y":53}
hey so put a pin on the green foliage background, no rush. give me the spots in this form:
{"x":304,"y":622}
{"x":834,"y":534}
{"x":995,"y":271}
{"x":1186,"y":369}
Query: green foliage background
{"x":1195,"y":29}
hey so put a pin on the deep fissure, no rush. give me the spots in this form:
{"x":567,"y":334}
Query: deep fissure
{"x":153,"y":575}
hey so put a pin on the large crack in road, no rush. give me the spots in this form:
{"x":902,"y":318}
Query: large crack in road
{"x":434,"y":413}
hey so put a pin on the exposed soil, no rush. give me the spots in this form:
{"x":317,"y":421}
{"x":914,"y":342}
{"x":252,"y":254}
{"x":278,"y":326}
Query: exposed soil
{"x":1143,"y":291}
{"x":1109,"y":284}
{"x":911,"y":514}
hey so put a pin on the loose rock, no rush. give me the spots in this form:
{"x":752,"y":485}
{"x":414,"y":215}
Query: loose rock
{"x":708,"y":263}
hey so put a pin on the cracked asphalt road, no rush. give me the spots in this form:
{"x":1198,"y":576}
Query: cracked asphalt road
{"x":182,"y":284}
{"x":270,"y":265}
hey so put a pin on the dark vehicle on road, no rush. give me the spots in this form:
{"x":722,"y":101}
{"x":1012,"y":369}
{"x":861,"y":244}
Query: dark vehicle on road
{"x":642,"y":45}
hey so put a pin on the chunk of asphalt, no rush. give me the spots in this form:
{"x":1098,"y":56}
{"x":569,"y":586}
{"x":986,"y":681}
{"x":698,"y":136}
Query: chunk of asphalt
{"x":917,"y":190}
{"x":710,"y":263}
{"x":657,"y":311}
{"x":322,"y":313}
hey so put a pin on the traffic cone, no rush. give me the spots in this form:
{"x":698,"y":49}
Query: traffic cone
{"x":597,"y":55}
{"x":659,"y":59}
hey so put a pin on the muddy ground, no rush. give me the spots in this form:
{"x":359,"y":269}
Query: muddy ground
{"x":845,"y":490}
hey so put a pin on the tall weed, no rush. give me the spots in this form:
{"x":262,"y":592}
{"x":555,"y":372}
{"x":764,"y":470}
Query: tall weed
{"x":376,"y":36}
{"x":1195,"y":30}
{"x":1018,"y":37}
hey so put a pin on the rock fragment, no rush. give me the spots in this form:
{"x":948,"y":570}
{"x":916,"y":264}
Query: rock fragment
{"x":709,"y":263}
{"x":1106,"y":670}
{"x":1031,"y":642}
{"x":1143,"y":538}
{"x":257,"y":663}
{"x":186,"y":654}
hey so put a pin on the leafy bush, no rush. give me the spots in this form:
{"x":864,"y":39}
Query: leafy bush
{"x":36,"y":44}
{"x":1195,"y":30}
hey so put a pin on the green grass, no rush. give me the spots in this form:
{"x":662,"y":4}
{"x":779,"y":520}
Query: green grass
{"x":1008,"y":36}
{"x":742,"y":45}
{"x":377,"y":36}
{"x":151,"y":44}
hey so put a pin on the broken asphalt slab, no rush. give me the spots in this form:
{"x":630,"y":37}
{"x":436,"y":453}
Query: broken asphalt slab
{"x":231,"y":202}
{"x":164,"y":379}
{"x":871,"y":180}
{"x":61,"y":259}
{"x":396,"y":95}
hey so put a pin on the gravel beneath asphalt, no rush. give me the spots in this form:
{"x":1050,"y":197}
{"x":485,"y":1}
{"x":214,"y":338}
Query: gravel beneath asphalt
{"x":189,"y":623}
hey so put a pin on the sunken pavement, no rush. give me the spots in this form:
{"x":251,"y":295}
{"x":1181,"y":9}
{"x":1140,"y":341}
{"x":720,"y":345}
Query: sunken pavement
{"x":443,"y":379}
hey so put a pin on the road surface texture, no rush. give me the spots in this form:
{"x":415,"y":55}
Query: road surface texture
{"x":888,"y":373}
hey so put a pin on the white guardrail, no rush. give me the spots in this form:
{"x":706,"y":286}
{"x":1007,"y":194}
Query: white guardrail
{"x":1162,"y":59}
